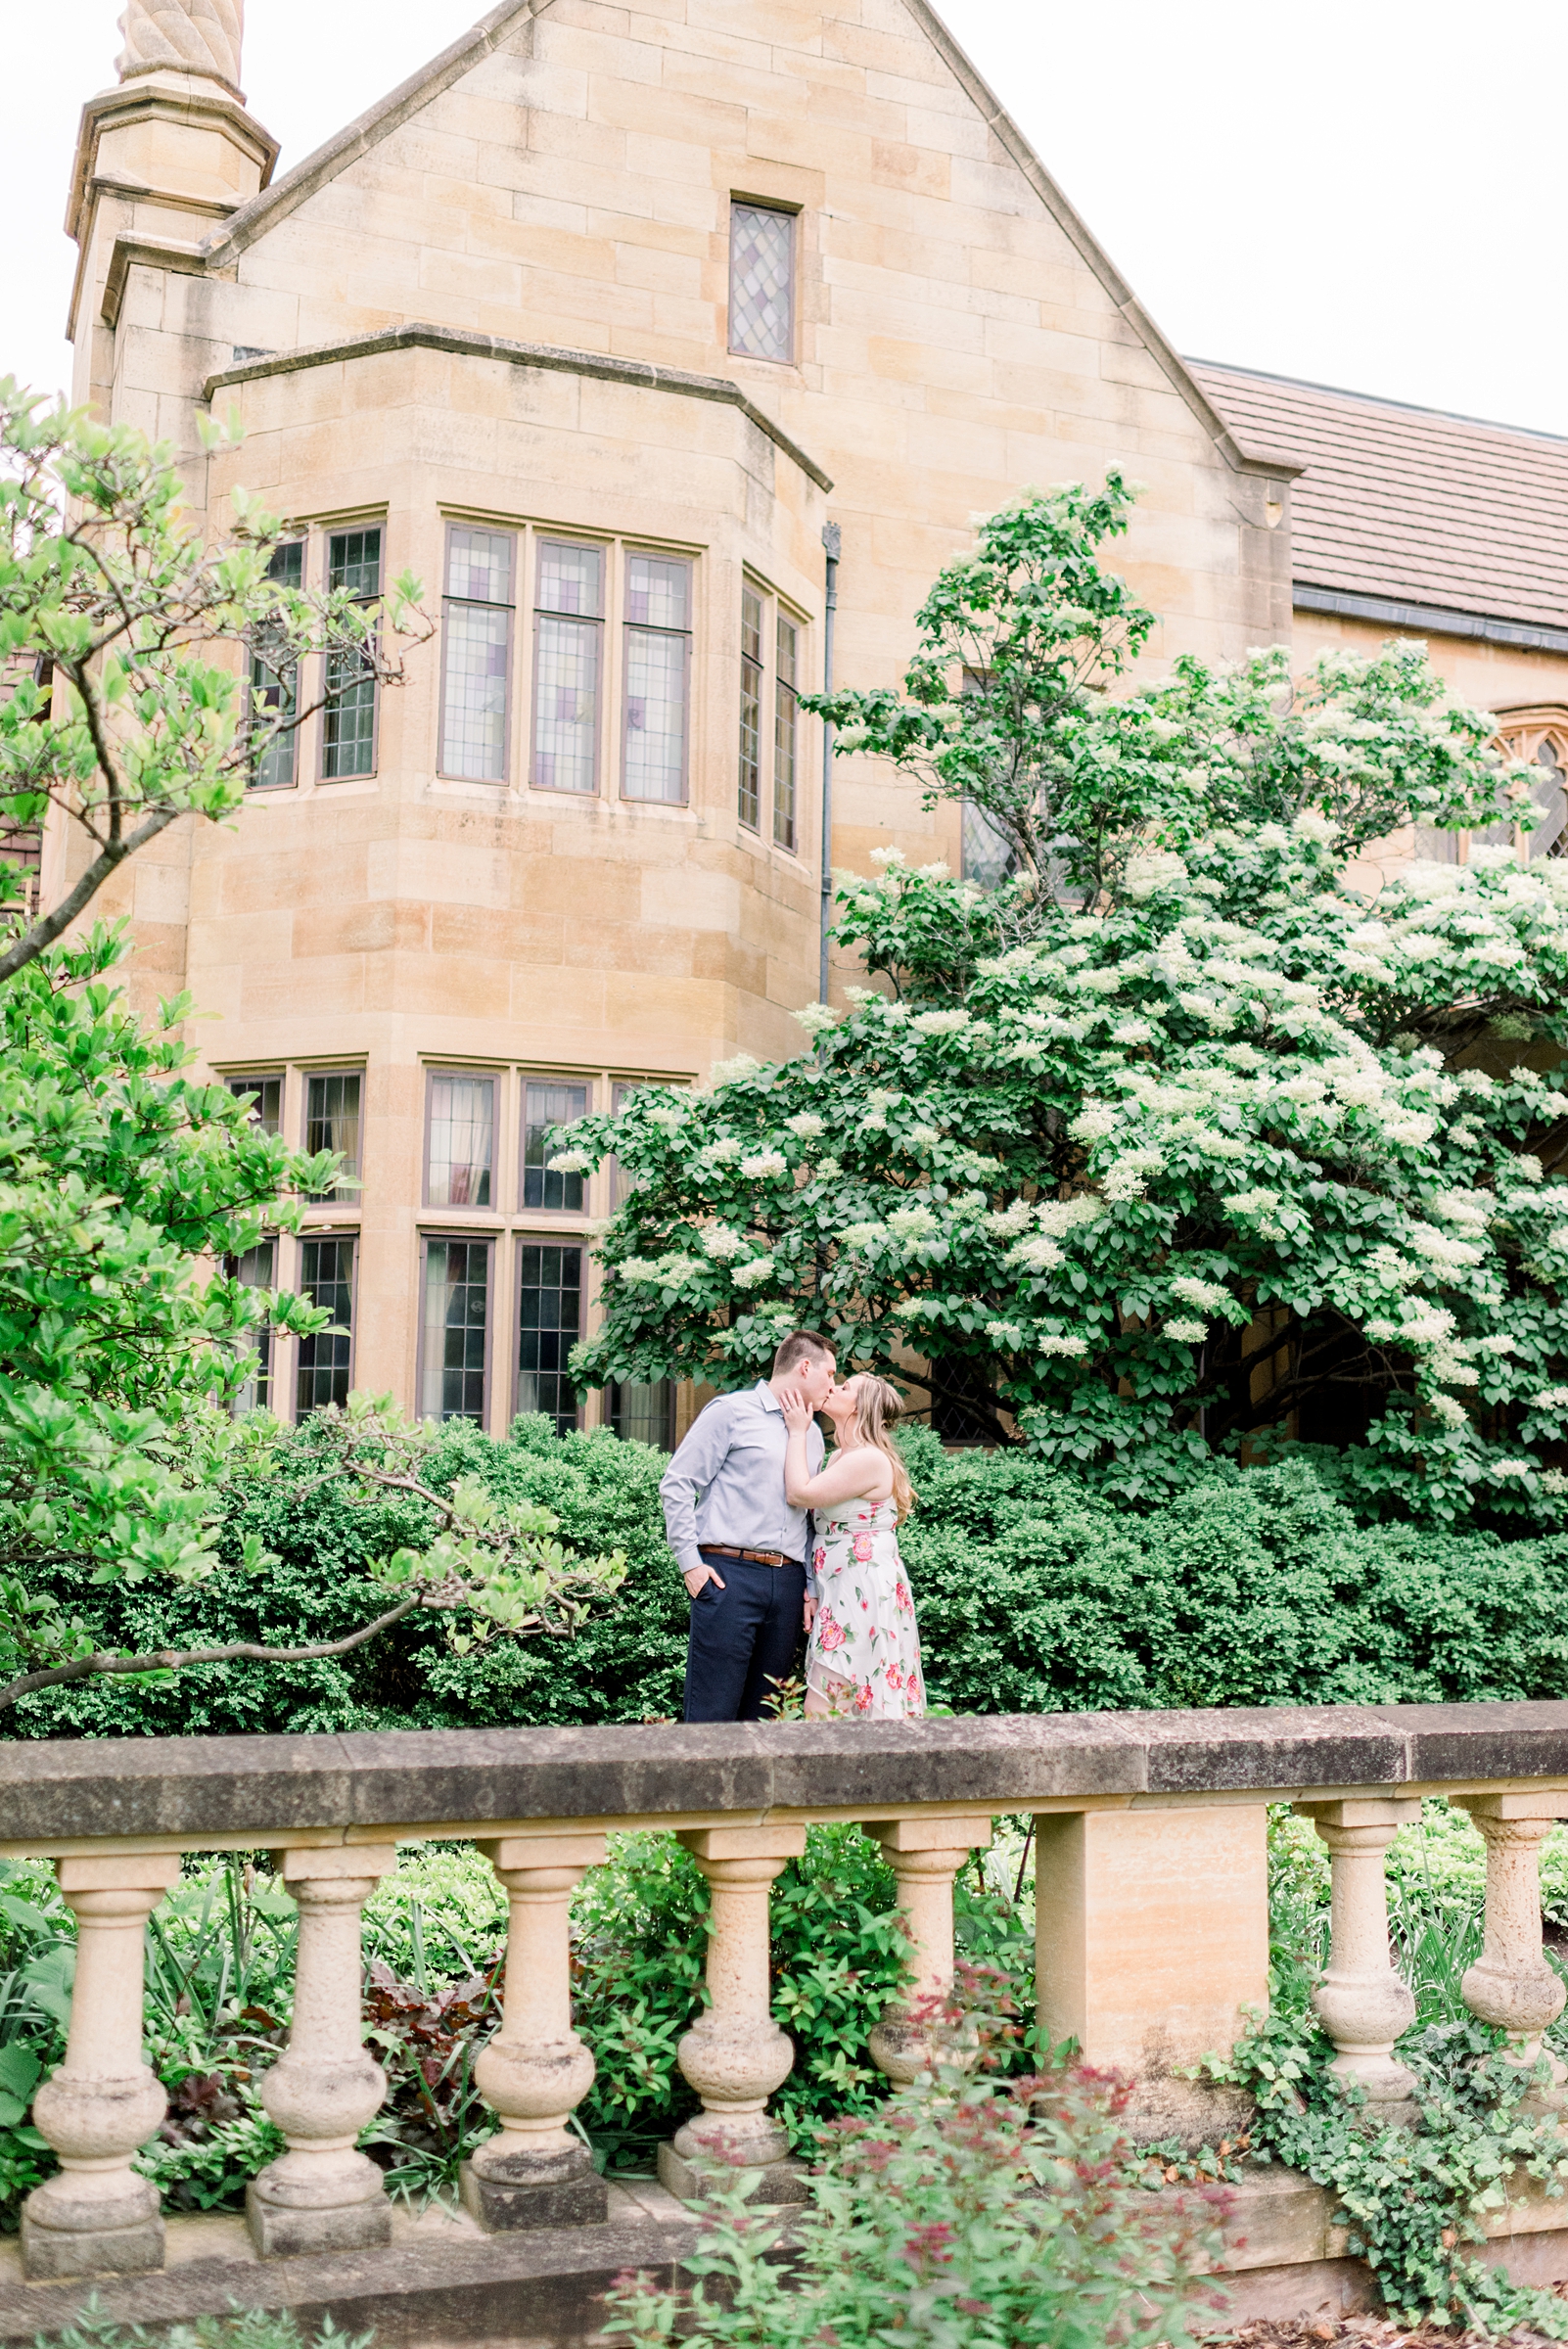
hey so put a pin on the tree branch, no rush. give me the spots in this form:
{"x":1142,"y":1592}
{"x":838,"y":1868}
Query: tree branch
{"x":171,"y":1659}
{"x":31,"y":944}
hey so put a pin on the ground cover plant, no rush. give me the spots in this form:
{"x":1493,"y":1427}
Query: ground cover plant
{"x":972,"y":2208}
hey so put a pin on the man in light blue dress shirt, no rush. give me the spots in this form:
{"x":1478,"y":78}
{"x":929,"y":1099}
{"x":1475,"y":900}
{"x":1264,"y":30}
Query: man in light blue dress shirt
{"x":746,"y":1555}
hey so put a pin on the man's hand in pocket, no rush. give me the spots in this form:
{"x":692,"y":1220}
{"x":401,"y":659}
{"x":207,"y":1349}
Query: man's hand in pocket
{"x":699,"y":1574}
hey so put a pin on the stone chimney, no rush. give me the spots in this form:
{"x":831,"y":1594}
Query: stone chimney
{"x":162,"y":159}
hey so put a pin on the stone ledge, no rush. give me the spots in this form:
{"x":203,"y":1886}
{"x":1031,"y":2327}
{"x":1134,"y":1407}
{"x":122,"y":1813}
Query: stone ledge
{"x":191,"y":1791}
{"x":441,"y":2284}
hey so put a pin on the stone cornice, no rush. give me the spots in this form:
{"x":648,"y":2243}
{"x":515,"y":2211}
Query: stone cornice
{"x":1430,"y":619}
{"x":207,"y":1792}
{"x":638,"y":374}
{"x":160,"y":252}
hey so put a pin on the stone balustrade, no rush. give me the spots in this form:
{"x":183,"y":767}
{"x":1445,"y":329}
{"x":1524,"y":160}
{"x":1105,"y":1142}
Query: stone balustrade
{"x":1151,"y":1900}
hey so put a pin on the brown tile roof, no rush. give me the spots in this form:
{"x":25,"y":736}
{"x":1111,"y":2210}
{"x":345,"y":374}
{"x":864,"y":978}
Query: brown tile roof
{"x":1410,"y":506}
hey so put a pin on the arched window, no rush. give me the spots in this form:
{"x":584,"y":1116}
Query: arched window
{"x":1540,"y":738}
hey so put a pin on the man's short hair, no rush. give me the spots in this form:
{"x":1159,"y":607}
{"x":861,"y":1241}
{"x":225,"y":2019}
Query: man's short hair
{"x":800,"y":1346}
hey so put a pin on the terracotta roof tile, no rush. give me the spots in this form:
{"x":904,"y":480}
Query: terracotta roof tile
{"x":1410,"y":504}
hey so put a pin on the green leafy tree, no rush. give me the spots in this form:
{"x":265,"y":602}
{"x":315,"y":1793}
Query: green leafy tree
{"x":125,"y":1187}
{"x":145,"y":670}
{"x":1147,"y":1162}
{"x":1008,"y":706}
{"x":126,"y":640}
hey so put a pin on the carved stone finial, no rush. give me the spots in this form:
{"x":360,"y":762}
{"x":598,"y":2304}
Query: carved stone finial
{"x":190,"y":36}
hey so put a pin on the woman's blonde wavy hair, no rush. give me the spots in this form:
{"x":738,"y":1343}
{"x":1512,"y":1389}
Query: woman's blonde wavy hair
{"x":878,"y":1409}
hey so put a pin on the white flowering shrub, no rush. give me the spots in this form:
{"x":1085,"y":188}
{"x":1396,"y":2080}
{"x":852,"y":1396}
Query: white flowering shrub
{"x":1115,"y":1154}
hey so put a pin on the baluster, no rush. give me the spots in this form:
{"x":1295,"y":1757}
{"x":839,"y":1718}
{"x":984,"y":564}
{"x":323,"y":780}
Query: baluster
{"x":1510,"y":1983}
{"x":97,"y":2217}
{"x":734,"y":2055}
{"x":1362,"y":2003}
{"x":925,"y":1856}
{"x":322,"y":2194}
{"x":536,"y":2070}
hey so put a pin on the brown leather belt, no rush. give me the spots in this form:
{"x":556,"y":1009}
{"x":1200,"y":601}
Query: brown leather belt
{"x":753,"y":1557}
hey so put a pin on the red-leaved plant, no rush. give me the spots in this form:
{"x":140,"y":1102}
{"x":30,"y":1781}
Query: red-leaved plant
{"x":973,"y":2211}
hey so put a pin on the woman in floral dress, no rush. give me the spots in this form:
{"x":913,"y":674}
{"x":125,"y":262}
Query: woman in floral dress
{"x":864,"y":1654}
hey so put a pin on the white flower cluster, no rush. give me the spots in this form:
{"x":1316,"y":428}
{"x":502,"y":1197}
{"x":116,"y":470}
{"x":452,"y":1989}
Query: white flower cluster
{"x":913,"y":1224}
{"x":734,"y":1070}
{"x":1186,"y":1332}
{"x":722,"y":1243}
{"x":862,"y":1235}
{"x":941,"y":1023}
{"x":751,"y":1273}
{"x":672,"y":1120}
{"x":571,"y":1162}
{"x":1072,"y":1348}
{"x":764,"y":1165}
{"x":1550,"y":1398}
{"x":1036,"y":1254}
{"x":818,"y":1018}
{"x":1209,"y":1295}
{"x":807,"y":1124}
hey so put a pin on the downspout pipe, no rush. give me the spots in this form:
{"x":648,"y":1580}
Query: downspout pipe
{"x":831,"y":541}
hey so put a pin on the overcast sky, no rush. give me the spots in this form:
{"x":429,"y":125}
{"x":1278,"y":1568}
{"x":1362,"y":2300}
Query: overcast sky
{"x":1366,"y":193}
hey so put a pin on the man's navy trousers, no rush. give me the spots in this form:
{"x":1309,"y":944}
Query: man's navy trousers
{"x":742,"y":1637}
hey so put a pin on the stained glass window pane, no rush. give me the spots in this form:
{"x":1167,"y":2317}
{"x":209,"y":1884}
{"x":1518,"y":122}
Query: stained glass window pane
{"x":275,"y":681}
{"x":266,"y":1110}
{"x":571,"y":580}
{"x":786,"y":728}
{"x":474,"y":720}
{"x":750,"y":793}
{"x":989,"y":856}
{"x":551,"y":1321}
{"x":762,"y":270}
{"x":544,"y":1106}
{"x":457,"y":1291}
{"x":1547,"y":838}
{"x":256,"y":1269}
{"x":479,"y":566}
{"x":658,"y":592}
{"x":462,"y":1125}
{"x":326,"y":1361}
{"x":565,"y":704}
{"x":349,"y":725}
{"x":656,"y":716}
{"x":332,"y":1123}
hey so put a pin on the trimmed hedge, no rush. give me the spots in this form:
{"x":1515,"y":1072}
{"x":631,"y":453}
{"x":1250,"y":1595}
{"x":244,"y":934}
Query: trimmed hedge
{"x":1255,"y":1586}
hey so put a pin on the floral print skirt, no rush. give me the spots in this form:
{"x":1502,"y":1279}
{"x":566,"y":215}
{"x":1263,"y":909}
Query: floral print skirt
{"x":864,"y":1657}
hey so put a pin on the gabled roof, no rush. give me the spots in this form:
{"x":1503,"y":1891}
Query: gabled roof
{"x":1446,"y":515}
{"x":357,"y":138}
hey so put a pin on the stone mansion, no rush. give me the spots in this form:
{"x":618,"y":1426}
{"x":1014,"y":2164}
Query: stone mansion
{"x":610,"y":325}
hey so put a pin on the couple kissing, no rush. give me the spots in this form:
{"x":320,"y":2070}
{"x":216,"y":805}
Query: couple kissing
{"x":772,"y":1539}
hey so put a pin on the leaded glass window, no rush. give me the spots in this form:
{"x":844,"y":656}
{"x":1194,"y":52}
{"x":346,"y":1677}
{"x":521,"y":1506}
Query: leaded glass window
{"x":326,"y":1361}
{"x":478,"y":654}
{"x":749,"y":797}
{"x":761,"y":282}
{"x":567,"y":656}
{"x":658,"y":643}
{"x":989,"y":856}
{"x":643,"y":1412}
{"x":545,"y":1105}
{"x":549,"y":1324}
{"x":786,"y":730}
{"x":275,"y":682}
{"x":257,"y":1268}
{"x":454,"y":1352}
{"x":1551,"y":795}
{"x":266,"y":1110}
{"x":332,"y":1123}
{"x":348,"y":722}
{"x":461,"y":1141}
